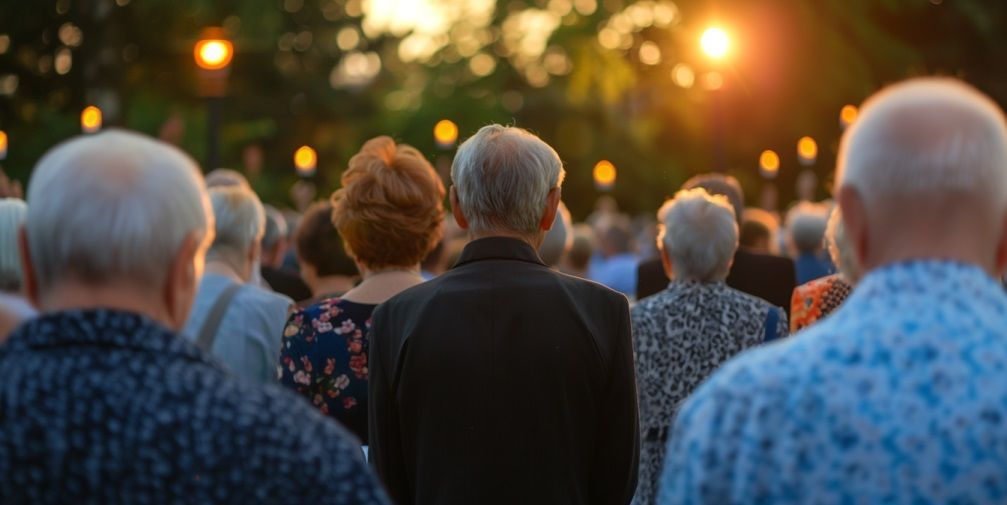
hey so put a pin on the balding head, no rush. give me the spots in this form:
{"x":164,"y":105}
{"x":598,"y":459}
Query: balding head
{"x":922,"y":174}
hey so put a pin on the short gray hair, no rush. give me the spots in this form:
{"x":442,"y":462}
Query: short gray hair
{"x":240,"y":219}
{"x":275,"y":227}
{"x":502,"y":177}
{"x":112,"y":206}
{"x":927,"y":135}
{"x":699,"y":234}
{"x":12,"y":215}
{"x":806,"y":224}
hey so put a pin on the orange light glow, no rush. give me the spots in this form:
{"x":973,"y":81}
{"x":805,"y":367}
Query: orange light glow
{"x":715,"y":42}
{"x":213,"y":54}
{"x":90,"y":119}
{"x":305,"y":160}
{"x":604,"y":174}
{"x":807,"y":150}
{"x":3,"y":144}
{"x":769,"y":163}
{"x":847,"y":115}
{"x":445,"y":133}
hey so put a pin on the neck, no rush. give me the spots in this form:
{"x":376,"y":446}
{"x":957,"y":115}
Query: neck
{"x":127,"y":297}
{"x":535,"y":242}
{"x":383,"y":283}
{"x":331,"y":285}
{"x":221,"y":267}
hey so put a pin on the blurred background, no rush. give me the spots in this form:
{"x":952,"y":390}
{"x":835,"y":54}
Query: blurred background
{"x":636,"y":96}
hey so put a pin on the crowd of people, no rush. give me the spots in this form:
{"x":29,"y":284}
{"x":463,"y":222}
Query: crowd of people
{"x":168,"y":338}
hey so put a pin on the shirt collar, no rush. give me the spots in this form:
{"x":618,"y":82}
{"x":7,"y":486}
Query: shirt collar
{"x":101,"y":328}
{"x":498,"y":248}
{"x":934,"y":279}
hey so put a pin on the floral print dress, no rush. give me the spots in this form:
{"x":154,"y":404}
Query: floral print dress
{"x":323,"y":356}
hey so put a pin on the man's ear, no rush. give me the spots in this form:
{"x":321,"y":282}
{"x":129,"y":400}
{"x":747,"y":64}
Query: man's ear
{"x":456,"y":210}
{"x":30,"y":283}
{"x":551,"y":208}
{"x":183,"y":278}
{"x":854,"y":212}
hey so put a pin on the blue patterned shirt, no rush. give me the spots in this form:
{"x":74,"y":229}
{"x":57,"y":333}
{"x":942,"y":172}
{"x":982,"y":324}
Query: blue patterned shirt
{"x":106,"y":407}
{"x":900,"y":396}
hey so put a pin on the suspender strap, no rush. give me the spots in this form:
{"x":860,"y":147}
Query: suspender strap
{"x":208,"y":333}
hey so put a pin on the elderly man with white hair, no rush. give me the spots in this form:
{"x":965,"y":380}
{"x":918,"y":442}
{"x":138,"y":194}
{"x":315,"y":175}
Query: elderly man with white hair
{"x":503,"y":381}
{"x":103,"y":401}
{"x":898,"y":396}
{"x":238,"y":322}
{"x":682,"y":334}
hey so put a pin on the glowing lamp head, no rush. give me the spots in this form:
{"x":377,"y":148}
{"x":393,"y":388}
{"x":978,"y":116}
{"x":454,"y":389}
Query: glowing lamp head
{"x":847,"y":115}
{"x":305,"y":160}
{"x":213,"y":54}
{"x":807,"y":150}
{"x":604,"y":175}
{"x":3,"y":145}
{"x":715,"y":43}
{"x":90,"y":119}
{"x":445,"y":133}
{"x":769,"y":164}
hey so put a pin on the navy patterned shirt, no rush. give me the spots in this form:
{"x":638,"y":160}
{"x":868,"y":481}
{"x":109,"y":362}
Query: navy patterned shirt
{"x":900,"y":396}
{"x":101,"y":406}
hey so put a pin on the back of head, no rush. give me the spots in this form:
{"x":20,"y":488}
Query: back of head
{"x":582,"y":248}
{"x":240,"y":221}
{"x":557,"y":241}
{"x":12,"y":215}
{"x":699,"y":235}
{"x":614,"y":234}
{"x":720,"y":184}
{"x":112,"y":207}
{"x":806,"y":224}
{"x":923,"y":154}
{"x":319,"y":244}
{"x":758,"y":231}
{"x":276,"y":227}
{"x":390,"y":208}
{"x":502,"y":177}
{"x":225,"y":177}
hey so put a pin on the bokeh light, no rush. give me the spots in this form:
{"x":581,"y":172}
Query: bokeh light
{"x":213,"y":54}
{"x":769,"y":163}
{"x":847,"y":115}
{"x":807,"y":150}
{"x":90,"y":119}
{"x":604,"y":175}
{"x":715,"y":43}
{"x":305,"y":161}
{"x":445,"y":133}
{"x":3,"y":145}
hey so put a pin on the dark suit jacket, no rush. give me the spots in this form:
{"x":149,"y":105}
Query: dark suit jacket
{"x":771,"y":278}
{"x":504,"y":382}
{"x":286,"y":283}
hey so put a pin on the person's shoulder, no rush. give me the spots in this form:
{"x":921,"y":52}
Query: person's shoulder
{"x":258,"y":294}
{"x":763,"y":261}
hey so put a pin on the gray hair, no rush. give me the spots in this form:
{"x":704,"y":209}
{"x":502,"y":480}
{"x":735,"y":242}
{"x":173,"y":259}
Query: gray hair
{"x":12,"y":215}
{"x":927,"y":135}
{"x":502,"y":177}
{"x":840,"y":249}
{"x":240,"y":220}
{"x":806,"y":224}
{"x":559,"y":239}
{"x":111,"y":206}
{"x":275,"y":228}
{"x":699,"y":234}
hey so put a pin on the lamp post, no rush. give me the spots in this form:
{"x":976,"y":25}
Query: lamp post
{"x":213,"y":54}
{"x":716,"y":44}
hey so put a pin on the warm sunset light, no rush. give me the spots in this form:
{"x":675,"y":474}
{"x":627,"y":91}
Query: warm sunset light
{"x":3,"y":145}
{"x":769,"y":163}
{"x":847,"y":115}
{"x":604,"y":175}
{"x":90,"y":119}
{"x":305,"y":160}
{"x":715,"y":43}
{"x":807,"y":150}
{"x":213,"y":54}
{"x":445,"y":133}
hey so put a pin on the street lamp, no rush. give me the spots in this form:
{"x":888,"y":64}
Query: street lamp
{"x":90,"y":119}
{"x":445,"y":133}
{"x":213,"y":54}
{"x":847,"y":115}
{"x":305,"y":161}
{"x":807,"y":151}
{"x":3,"y":145}
{"x":769,"y":164}
{"x":604,"y":175}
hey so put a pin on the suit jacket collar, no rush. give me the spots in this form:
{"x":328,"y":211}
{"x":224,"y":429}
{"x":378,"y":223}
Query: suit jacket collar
{"x":498,"y":248}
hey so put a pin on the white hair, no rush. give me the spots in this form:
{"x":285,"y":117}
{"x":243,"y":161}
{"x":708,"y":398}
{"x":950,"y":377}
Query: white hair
{"x":699,"y":234}
{"x":502,"y":177}
{"x":112,"y":206}
{"x":840,"y":249}
{"x":927,"y":135}
{"x":12,"y":215}
{"x":806,"y":223}
{"x":240,"y":220}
